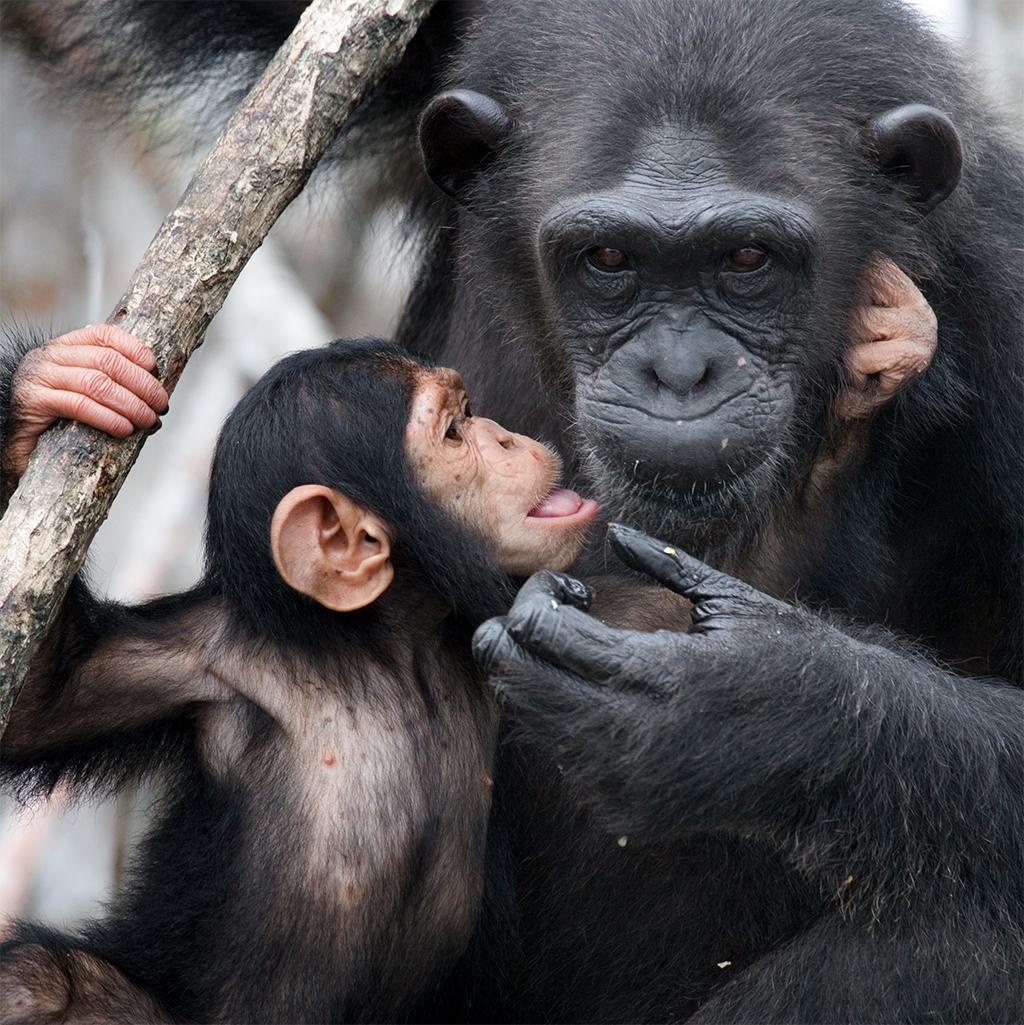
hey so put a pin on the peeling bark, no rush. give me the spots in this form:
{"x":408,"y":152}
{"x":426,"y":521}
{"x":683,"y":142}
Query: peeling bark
{"x":337,"y":53}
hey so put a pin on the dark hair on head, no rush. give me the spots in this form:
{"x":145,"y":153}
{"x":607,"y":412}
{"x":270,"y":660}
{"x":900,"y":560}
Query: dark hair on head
{"x":334,"y":416}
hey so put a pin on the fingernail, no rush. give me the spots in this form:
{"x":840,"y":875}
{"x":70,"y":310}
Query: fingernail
{"x":583,"y":594}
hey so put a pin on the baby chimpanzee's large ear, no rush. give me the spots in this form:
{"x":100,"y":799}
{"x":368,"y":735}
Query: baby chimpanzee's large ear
{"x":330,"y":549}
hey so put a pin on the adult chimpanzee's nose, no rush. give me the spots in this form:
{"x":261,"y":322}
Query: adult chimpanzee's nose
{"x":678,"y":368}
{"x":680,"y":364}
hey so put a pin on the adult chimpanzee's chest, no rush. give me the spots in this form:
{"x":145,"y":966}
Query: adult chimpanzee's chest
{"x":662,"y":924}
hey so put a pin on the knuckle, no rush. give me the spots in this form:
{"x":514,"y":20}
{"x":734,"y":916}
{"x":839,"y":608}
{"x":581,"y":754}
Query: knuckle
{"x":528,"y":619}
{"x":105,"y":333}
{"x":548,"y":580}
{"x":486,"y":645}
{"x":32,"y":364}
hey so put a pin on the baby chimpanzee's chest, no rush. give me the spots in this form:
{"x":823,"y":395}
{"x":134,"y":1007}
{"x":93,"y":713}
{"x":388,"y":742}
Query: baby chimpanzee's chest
{"x":383,"y":792}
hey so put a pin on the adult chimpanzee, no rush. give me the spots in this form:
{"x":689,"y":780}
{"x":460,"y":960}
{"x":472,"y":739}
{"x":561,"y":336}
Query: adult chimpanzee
{"x":655,"y":219}
{"x":326,"y":734}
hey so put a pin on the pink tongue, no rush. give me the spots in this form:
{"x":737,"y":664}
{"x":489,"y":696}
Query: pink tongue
{"x":561,"y":502}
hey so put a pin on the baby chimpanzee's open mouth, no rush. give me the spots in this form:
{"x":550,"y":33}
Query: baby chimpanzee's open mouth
{"x":561,"y":503}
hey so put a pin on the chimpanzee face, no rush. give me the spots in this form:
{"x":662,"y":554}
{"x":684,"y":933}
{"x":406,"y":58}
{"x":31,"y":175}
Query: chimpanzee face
{"x":499,"y":485}
{"x":407,"y":465}
{"x":677,"y":299}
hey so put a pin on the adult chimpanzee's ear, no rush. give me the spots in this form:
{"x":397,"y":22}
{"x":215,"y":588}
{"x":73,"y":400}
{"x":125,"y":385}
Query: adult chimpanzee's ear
{"x":460,"y":132}
{"x":330,"y":549}
{"x":919,"y":148}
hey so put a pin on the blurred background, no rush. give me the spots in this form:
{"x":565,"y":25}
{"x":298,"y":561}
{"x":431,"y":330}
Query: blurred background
{"x":77,"y":209}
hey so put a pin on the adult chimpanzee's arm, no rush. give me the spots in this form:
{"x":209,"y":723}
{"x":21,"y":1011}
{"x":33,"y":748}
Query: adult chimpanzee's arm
{"x":886,"y":776}
{"x":112,"y":692}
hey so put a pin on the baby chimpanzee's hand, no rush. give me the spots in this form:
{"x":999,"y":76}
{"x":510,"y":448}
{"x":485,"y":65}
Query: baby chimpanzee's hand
{"x":99,"y":375}
{"x":893,"y":339}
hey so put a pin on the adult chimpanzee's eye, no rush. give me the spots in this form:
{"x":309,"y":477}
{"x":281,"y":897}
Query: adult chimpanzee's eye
{"x":746,"y":259}
{"x":454,"y":432}
{"x":606,"y":259}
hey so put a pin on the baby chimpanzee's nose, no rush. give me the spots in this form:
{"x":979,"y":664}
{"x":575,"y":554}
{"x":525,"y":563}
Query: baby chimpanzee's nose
{"x":506,"y":439}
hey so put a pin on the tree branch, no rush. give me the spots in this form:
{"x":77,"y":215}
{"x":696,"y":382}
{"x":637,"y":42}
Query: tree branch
{"x":337,"y":53}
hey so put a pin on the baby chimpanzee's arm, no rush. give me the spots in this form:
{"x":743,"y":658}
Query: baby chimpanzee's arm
{"x":50,"y":985}
{"x":112,"y":693}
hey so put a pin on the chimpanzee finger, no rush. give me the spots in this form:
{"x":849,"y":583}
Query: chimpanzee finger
{"x":75,"y":406}
{"x":534,"y":686}
{"x":570,"y":639}
{"x":711,"y":590}
{"x":96,"y":387}
{"x":886,"y":285}
{"x":891,"y":363}
{"x":549,"y":586}
{"x":114,"y":365}
{"x":112,"y":337}
{"x":492,"y":646}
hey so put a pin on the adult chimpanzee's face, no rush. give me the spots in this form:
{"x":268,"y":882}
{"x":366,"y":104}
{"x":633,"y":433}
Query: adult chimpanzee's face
{"x":686,"y":284}
{"x":498,"y":484}
{"x":675,"y":295}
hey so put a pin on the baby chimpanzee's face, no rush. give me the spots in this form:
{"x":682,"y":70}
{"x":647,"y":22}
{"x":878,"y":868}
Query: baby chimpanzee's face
{"x":498,"y":484}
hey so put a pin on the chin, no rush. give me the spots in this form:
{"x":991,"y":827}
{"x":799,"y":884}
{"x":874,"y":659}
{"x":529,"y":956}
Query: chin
{"x":701,"y":517}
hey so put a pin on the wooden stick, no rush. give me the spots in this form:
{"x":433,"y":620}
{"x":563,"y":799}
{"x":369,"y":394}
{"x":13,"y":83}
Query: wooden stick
{"x":337,"y":53}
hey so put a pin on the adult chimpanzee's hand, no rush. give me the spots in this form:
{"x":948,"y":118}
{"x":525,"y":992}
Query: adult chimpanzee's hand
{"x":709,"y":725}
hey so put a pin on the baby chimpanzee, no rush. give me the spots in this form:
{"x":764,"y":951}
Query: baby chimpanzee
{"x":324,"y":735}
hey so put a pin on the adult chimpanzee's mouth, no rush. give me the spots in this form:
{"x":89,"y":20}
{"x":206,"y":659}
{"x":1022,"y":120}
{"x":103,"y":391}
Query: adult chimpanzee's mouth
{"x":565,"y":505}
